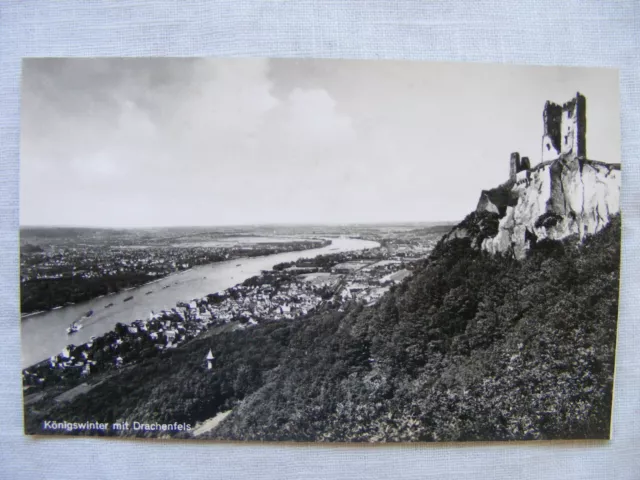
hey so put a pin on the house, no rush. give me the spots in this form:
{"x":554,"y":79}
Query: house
{"x":171,"y":335}
{"x":395,"y":278}
{"x":356,"y":287}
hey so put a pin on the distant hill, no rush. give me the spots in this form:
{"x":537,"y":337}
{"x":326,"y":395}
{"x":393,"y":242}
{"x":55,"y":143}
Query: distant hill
{"x":54,"y":235}
{"x":444,"y":227}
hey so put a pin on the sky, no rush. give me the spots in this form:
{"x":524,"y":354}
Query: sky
{"x":201,"y":142}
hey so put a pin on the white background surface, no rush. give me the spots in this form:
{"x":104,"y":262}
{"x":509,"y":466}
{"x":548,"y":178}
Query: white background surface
{"x":589,"y":33}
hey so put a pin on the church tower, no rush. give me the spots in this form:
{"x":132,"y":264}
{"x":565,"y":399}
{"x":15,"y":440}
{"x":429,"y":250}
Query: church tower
{"x":209,"y":358}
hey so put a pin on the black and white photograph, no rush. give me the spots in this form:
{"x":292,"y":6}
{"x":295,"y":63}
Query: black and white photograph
{"x":318,"y":250}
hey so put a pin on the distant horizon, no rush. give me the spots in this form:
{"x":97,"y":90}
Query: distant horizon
{"x":327,"y":224}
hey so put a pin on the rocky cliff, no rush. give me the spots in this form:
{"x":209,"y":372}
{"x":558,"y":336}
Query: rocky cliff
{"x":569,"y":196}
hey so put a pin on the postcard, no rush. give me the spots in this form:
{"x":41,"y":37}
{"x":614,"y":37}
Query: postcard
{"x":318,"y":250}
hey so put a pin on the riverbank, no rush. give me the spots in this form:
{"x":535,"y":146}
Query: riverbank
{"x":86,"y":279}
{"x":268,"y":297}
{"x":44,"y":335}
{"x":32,"y":314}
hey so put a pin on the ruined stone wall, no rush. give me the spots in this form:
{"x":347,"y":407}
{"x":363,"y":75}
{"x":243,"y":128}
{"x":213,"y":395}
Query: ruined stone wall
{"x":569,"y":139}
{"x":555,"y":200}
{"x":517,"y":164}
{"x":552,"y":122}
{"x":573,"y":139}
{"x":514,"y":164}
{"x":565,"y":129}
{"x":581,"y":121}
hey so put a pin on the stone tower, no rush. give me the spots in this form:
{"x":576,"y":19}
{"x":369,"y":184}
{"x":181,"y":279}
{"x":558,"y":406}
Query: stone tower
{"x":565,"y":129}
{"x":574,"y":126}
{"x":514,"y":164}
{"x":517,"y":164}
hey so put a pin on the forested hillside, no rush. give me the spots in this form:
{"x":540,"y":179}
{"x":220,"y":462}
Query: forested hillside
{"x":473,"y":346}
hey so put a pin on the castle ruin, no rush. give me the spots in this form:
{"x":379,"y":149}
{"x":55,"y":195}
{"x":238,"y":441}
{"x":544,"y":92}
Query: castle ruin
{"x":565,"y":129}
{"x":564,"y":194}
{"x":517,"y":164}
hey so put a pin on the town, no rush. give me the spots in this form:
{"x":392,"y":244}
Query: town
{"x":289,"y":291}
{"x":60,"y":274}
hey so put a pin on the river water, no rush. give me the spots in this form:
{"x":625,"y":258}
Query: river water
{"x":44,"y":335}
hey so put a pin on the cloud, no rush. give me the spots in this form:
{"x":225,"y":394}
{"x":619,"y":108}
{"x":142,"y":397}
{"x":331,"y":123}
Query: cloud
{"x":134,"y":142}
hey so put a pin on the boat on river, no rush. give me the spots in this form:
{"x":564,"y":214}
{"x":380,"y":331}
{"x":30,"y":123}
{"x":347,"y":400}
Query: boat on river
{"x":73,"y":328}
{"x":128,"y":298}
{"x":109,"y":305}
{"x":88,"y":314}
{"x":38,"y":347}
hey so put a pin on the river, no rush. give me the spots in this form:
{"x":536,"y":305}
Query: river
{"x":44,"y":334}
